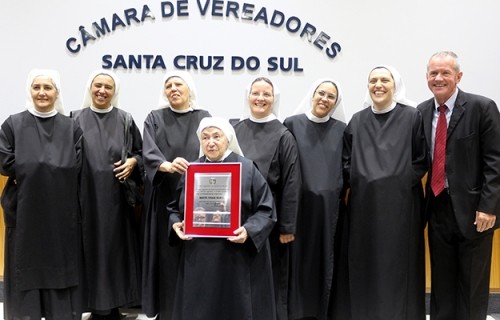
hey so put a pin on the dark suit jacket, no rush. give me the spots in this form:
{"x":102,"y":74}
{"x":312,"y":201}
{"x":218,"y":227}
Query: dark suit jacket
{"x":472,"y":158}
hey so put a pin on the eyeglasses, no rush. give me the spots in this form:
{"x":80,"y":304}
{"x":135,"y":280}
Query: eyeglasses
{"x":330,"y":96}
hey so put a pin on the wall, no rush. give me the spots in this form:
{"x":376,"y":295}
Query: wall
{"x":398,"y":33}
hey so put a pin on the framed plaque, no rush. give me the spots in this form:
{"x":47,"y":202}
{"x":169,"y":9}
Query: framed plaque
{"x":212,"y":199}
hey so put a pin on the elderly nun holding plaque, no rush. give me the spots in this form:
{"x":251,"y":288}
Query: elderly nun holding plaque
{"x":221,"y":278}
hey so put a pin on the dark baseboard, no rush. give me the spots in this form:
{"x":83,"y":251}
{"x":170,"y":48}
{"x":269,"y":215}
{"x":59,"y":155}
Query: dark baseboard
{"x":493,"y":304}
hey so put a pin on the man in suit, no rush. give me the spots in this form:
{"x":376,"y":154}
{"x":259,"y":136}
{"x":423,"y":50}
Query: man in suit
{"x":464,"y":203}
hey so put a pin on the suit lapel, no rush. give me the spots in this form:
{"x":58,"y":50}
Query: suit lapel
{"x":427,"y":114}
{"x":458,"y":111}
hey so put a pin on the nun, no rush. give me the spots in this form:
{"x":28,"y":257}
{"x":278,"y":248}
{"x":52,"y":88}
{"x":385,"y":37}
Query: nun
{"x":265,"y":140}
{"x":113,"y":153}
{"x":384,"y":160}
{"x":41,"y":153}
{"x":318,"y":126}
{"x":219,"y":278}
{"x":170,"y":143}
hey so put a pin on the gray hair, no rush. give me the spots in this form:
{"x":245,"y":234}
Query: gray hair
{"x":445,"y":54}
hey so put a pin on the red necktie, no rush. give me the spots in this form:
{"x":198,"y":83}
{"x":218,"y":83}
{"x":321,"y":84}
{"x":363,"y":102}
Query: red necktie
{"x":438,"y":162}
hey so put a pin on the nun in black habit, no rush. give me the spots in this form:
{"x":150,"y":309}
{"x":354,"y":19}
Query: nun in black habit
{"x":384,"y":162}
{"x":226,"y":279}
{"x":110,"y":229}
{"x":41,"y":153}
{"x":170,"y":141}
{"x":266,"y":141}
{"x":318,"y":127}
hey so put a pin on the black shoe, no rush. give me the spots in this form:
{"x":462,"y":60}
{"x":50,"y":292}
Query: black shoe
{"x":116,"y":315}
{"x":113,"y":315}
{"x":95,"y":316}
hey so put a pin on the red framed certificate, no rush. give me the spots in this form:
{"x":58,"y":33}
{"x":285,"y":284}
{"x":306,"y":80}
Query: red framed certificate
{"x":212,"y":199}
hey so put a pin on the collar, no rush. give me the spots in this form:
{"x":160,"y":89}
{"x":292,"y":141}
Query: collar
{"x":386,"y":110}
{"x":269,"y":118}
{"x":315,"y":119}
{"x":450,"y":103}
{"x":39,"y":114}
{"x":97,"y":110}
{"x":189,"y":109}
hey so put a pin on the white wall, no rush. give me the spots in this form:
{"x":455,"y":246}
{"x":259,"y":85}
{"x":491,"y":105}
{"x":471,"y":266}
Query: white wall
{"x":398,"y":33}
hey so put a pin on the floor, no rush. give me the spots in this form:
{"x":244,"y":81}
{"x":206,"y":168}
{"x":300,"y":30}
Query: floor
{"x":132,"y":314}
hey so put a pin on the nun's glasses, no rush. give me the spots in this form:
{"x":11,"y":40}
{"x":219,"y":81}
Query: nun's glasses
{"x":330,"y":96}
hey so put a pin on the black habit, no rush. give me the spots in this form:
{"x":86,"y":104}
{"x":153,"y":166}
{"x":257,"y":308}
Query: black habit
{"x":274,"y":150}
{"x":384,"y":162}
{"x":312,"y":261}
{"x":221,"y":280}
{"x":42,"y":158}
{"x":109,"y":224}
{"x":167,"y":135}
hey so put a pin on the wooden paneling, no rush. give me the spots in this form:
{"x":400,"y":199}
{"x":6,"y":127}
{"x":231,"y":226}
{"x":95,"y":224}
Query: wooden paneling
{"x":427,"y":264}
{"x":495,"y":264}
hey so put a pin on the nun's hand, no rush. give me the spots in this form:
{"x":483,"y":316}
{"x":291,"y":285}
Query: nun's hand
{"x":286,"y":238}
{"x":241,"y":235}
{"x":123,"y":171}
{"x":178,"y":165}
{"x":179,"y":230}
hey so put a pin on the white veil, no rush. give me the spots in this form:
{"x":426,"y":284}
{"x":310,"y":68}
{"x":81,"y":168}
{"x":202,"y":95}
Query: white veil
{"x":56,"y":80}
{"x":305,"y":106}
